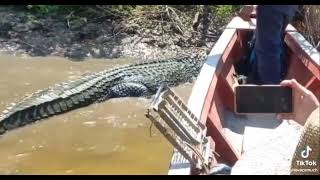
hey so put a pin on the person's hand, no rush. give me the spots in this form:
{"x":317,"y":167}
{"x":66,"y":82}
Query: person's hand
{"x":304,"y":102}
{"x":245,"y":12}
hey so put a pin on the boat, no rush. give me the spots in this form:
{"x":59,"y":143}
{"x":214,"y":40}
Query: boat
{"x":212,"y":98}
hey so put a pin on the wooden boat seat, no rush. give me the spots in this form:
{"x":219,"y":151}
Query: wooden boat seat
{"x":268,"y":146}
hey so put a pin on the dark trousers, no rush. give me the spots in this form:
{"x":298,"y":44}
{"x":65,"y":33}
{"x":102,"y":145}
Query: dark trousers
{"x":270,"y":31}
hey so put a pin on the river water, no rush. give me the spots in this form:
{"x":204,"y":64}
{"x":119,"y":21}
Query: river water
{"x":112,"y":137}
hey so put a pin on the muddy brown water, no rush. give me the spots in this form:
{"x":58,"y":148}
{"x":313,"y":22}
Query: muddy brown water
{"x":112,"y":137}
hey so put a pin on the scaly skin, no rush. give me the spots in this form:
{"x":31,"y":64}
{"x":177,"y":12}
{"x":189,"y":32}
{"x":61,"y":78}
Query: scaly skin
{"x":134,"y":80}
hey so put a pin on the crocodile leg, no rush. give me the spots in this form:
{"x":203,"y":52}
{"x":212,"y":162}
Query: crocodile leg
{"x":126,"y":90}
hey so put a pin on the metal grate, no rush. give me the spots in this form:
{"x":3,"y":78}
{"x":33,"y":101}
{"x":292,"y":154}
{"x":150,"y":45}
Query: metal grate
{"x":181,"y":128}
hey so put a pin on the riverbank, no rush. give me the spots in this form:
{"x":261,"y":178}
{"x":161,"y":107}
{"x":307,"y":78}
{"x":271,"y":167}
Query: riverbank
{"x":153,"y":34}
{"x":131,"y":31}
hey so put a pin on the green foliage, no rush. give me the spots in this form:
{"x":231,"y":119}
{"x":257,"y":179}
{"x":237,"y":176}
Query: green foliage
{"x":226,"y":12}
{"x":223,"y":12}
{"x":49,"y":9}
{"x":122,"y":10}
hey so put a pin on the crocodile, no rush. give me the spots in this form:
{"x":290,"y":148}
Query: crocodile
{"x":133,"y":80}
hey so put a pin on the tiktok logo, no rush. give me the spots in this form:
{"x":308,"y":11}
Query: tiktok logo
{"x":305,"y":153}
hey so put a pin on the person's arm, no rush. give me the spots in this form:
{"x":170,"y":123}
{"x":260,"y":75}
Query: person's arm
{"x":304,"y":102}
{"x":315,"y":114}
{"x":246,"y":11}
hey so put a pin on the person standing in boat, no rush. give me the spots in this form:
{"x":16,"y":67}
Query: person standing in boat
{"x":272,"y":21}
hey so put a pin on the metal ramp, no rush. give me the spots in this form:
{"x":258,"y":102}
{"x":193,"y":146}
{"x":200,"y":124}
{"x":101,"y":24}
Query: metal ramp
{"x":182,"y":129}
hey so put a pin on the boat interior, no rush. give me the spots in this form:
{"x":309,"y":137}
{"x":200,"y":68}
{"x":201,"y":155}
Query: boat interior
{"x":239,"y":135}
{"x":250,"y":144}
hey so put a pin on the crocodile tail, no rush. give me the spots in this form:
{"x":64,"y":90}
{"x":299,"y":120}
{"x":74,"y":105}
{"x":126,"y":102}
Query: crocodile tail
{"x":44,"y":104}
{"x":31,"y":114}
